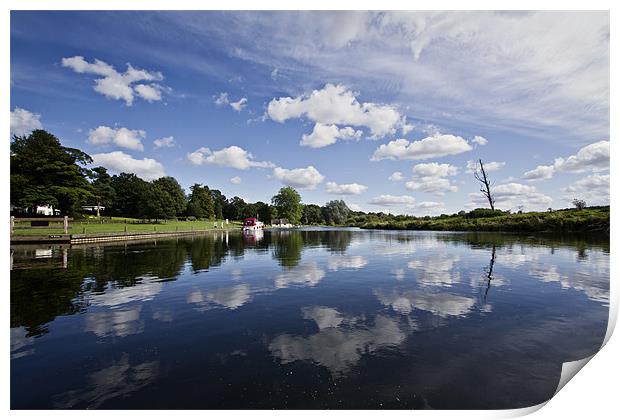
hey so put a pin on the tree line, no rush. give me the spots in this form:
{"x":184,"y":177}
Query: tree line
{"x":45,"y":173}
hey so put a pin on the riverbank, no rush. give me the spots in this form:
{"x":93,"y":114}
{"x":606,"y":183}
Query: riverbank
{"x":587,"y":220}
{"x":108,"y":232}
{"x":123,"y":225}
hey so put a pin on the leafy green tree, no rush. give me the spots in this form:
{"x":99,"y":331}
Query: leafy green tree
{"x":219,"y":203}
{"x":130,"y":195}
{"x":200,"y":203}
{"x":312,"y":214}
{"x":158,"y":203}
{"x":250,"y":210}
{"x":43,"y":172}
{"x":579,"y":204}
{"x":288,"y":204}
{"x":265,"y":211}
{"x":335,"y":212}
{"x":103,"y":192}
{"x":235,"y":209}
{"x":172,"y":187}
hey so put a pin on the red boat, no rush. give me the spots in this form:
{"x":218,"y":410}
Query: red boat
{"x":252,"y":224}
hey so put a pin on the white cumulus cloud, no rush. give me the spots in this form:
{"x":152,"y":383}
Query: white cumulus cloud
{"x":146,"y":168}
{"x":323,"y":135}
{"x":479,"y":140}
{"x":387,"y":199}
{"x":230,"y":157}
{"x":472,"y":165}
{"x":435,"y":169}
{"x":396,"y":176}
{"x":512,"y":195}
{"x":428,"y":184}
{"x":336,"y":104}
{"x":593,"y":157}
{"x":235,"y":180}
{"x":23,"y":122}
{"x":306,"y":178}
{"x":122,"y":137}
{"x":437,"y":145}
{"x":224,"y":99}
{"x":594,"y":189}
{"x":164,"y":142}
{"x":539,"y":173}
{"x":117,"y":85}
{"x":345,"y":189}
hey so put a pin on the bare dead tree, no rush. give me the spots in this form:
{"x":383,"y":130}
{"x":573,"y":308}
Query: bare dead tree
{"x":485,"y":184}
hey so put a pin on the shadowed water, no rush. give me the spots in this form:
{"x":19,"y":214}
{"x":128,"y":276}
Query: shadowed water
{"x":323,"y":318}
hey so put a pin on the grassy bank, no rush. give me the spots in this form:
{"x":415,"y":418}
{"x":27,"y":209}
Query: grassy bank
{"x":587,"y":220}
{"x":121,"y":225}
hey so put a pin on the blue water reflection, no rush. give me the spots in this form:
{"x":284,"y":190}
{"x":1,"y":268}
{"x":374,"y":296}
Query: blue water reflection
{"x":318,"y":318}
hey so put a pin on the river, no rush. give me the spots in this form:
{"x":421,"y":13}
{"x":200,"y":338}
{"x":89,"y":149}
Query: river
{"x":316,"y":318}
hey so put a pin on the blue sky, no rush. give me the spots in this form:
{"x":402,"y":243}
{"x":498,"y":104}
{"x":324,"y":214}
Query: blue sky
{"x":383,"y":110}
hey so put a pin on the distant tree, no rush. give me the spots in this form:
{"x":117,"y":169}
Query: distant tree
{"x":103,"y":192}
{"x":200,"y":203}
{"x":219,"y":202}
{"x":312,"y":214}
{"x":265,"y":211}
{"x":158,"y":203}
{"x":249,"y":210}
{"x":335,"y":211}
{"x":172,"y":187}
{"x":235,"y":209}
{"x":288,"y":204}
{"x":131,"y":193}
{"x":485,"y":184}
{"x":579,"y":204}
{"x":43,"y":172}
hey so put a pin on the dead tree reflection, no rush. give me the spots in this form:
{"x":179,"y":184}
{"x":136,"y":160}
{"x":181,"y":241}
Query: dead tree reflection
{"x":488,"y":275}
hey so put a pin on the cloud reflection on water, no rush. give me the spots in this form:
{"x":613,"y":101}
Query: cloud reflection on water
{"x":340,"y":342}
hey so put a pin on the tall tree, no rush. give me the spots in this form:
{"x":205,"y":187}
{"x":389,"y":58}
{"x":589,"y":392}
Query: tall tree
{"x":172,"y":187}
{"x":157,"y":202}
{"x":235,"y":209}
{"x":219,"y":202}
{"x":265,"y":211}
{"x":335,"y":211}
{"x":130,"y":195}
{"x":200,"y":202}
{"x":485,"y":184}
{"x":43,"y":172}
{"x":103,"y":192}
{"x":312,"y":214}
{"x":288,"y":204}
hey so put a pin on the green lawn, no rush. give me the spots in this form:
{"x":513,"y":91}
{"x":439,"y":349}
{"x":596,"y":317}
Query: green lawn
{"x":118,"y":225}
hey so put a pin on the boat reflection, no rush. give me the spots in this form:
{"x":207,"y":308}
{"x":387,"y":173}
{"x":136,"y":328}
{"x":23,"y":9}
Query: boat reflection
{"x":252,"y":237}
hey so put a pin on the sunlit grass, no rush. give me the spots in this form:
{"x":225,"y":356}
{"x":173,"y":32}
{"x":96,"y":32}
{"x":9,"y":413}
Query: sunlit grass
{"x":118,"y":225}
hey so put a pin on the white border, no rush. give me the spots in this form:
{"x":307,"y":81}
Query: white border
{"x":592,"y":394}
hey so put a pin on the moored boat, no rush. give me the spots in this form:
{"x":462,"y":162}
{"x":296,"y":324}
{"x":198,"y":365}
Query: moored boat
{"x":252,"y":224}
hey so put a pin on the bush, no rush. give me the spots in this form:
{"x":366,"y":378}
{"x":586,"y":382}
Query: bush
{"x":481,"y":213}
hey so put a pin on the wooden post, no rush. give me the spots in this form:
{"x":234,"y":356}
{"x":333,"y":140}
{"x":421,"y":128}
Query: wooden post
{"x":12,"y":224}
{"x":66,"y":224}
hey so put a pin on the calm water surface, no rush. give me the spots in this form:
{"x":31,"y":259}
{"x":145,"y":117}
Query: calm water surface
{"x":305,"y":319}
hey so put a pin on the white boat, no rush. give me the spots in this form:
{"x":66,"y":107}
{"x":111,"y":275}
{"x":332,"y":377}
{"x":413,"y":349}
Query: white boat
{"x":252,"y":224}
